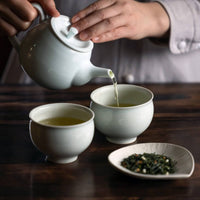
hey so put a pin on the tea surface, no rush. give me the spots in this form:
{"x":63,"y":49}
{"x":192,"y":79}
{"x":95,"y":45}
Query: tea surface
{"x":61,"y":121}
{"x":122,"y":105}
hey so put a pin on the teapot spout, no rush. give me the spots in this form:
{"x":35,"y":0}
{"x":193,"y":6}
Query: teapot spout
{"x":86,"y":74}
{"x":101,"y":72}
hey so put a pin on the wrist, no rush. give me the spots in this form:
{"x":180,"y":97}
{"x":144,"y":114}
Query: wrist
{"x":159,"y":22}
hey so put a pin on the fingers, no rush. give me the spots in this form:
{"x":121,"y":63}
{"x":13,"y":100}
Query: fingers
{"x":10,"y":20}
{"x":23,"y":9}
{"x":115,"y":34}
{"x":101,"y":20}
{"x":14,"y":20}
{"x":48,"y":6}
{"x":97,"y":17}
{"x":6,"y":28}
{"x":102,"y":27}
{"x":92,"y":8}
{"x":17,"y":15}
{"x":104,"y":17}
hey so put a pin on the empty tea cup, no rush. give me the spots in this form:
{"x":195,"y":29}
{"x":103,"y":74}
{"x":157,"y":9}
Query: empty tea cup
{"x":123,"y":124}
{"x":61,"y":131}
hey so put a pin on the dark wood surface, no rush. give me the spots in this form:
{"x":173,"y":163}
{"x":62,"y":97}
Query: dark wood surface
{"x":24,"y":173}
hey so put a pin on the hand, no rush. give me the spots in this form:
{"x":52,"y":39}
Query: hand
{"x":17,"y":15}
{"x":107,"y":20}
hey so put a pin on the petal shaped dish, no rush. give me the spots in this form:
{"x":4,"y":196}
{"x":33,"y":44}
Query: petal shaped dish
{"x":184,"y":158}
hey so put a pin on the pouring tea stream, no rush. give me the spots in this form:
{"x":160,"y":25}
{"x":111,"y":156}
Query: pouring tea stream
{"x":54,"y":59}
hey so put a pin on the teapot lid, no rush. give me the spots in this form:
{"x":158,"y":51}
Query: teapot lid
{"x":60,"y":26}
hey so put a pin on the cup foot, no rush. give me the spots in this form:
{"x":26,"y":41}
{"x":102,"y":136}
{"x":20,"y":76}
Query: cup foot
{"x":61,"y":160}
{"x":121,"y":141}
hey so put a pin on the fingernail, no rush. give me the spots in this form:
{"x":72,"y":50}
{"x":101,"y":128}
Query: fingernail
{"x":84,"y":36}
{"x":75,"y":19}
{"x":96,"y":38}
{"x":56,"y":13}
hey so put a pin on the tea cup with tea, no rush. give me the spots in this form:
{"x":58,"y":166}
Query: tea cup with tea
{"x":123,"y":123}
{"x":61,"y":131}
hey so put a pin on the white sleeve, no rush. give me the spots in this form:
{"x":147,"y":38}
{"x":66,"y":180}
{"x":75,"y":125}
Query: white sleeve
{"x":184,"y":24}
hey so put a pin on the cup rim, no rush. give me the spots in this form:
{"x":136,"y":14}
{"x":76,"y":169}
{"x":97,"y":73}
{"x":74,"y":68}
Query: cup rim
{"x":130,"y":85}
{"x":67,"y":126}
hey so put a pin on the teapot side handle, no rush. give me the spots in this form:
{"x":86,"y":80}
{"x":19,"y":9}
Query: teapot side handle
{"x":14,"y":40}
{"x":40,"y":11}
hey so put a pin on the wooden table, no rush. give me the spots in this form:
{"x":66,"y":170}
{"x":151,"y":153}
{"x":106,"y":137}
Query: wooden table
{"x":24,"y":173}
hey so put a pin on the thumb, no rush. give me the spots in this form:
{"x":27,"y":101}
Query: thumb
{"x":48,"y":6}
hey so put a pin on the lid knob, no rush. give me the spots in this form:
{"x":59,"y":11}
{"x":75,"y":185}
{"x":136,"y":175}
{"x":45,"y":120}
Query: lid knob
{"x":72,"y":32}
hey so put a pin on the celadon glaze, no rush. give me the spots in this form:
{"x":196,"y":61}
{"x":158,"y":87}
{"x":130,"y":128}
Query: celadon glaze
{"x":122,"y":125}
{"x":61,"y":144}
{"x":53,"y":61}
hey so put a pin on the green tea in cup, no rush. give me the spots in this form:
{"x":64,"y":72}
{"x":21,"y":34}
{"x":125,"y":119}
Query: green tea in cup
{"x":122,"y":105}
{"x":61,"y":131}
{"x":61,"y":121}
{"x":124,"y":123}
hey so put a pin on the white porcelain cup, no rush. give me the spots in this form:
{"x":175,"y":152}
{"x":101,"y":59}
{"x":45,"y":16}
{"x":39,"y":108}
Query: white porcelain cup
{"x":61,"y":144}
{"x":122,"y":125}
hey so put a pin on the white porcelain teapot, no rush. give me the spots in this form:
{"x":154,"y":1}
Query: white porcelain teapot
{"x":54,"y":60}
